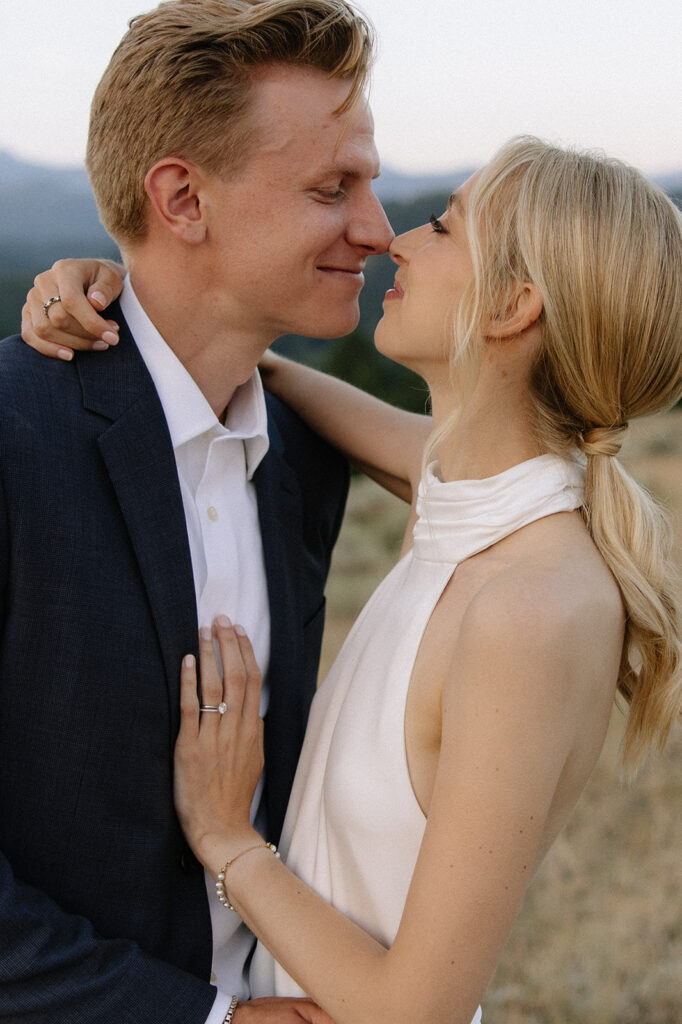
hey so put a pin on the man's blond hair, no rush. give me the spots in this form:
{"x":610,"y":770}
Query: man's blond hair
{"x":179,"y":84}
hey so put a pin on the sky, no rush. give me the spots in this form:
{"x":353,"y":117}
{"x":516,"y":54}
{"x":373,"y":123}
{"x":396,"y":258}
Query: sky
{"x":453,"y":79}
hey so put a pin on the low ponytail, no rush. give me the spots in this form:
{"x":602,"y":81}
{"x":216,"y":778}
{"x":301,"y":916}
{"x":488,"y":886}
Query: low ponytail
{"x":634,"y":538}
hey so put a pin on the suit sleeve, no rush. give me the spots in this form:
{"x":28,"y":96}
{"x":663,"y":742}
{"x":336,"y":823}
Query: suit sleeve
{"x":53,"y":967}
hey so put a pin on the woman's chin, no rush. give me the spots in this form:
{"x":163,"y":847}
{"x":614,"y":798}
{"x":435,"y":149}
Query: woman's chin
{"x":386,"y":343}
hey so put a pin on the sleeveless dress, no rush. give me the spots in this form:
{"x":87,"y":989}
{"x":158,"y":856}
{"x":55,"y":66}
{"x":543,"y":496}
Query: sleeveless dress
{"x":354,"y":827}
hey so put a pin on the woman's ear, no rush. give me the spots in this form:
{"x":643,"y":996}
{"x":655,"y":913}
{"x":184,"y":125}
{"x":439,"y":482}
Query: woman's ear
{"x":521,"y":313}
{"x":173,"y":188}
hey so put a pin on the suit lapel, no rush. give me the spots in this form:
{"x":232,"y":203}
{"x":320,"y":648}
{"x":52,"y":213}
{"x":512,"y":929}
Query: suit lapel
{"x":279,"y":512}
{"x":137,"y":451}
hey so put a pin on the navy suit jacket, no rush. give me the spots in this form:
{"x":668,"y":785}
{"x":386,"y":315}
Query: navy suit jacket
{"x":103,"y":909}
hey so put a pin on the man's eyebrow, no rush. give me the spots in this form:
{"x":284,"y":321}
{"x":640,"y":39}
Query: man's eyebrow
{"x":341,"y":172}
{"x":358,"y":174}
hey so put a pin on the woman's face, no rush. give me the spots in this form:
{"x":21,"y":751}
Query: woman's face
{"x":434,"y":268}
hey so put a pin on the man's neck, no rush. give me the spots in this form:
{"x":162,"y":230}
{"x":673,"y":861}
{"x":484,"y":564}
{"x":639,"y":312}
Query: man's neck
{"x":218,"y":356}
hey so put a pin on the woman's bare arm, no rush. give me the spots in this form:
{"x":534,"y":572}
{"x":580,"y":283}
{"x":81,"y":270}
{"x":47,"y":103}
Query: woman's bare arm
{"x":384,"y":442}
{"x":510,"y":720}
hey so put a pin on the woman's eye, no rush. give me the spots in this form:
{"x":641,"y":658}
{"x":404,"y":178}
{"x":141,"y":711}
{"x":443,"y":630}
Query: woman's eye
{"x":437,"y":225}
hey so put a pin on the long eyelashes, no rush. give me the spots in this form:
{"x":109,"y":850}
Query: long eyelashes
{"x":437,"y":225}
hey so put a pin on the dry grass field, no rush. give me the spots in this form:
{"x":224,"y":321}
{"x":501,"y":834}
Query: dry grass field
{"x":599,"y":939}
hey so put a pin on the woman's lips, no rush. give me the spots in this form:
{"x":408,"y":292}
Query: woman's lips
{"x":395,"y":292}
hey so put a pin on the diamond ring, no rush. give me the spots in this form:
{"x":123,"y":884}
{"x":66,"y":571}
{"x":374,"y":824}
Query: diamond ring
{"x":50,"y":302}
{"x":220,"y":708}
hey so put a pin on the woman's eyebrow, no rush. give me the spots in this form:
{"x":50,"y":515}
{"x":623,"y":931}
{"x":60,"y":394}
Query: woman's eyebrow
{"x":455,"y":202}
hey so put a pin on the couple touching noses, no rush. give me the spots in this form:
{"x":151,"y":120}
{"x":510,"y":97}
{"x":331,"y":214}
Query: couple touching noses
{"x":455,"y":732}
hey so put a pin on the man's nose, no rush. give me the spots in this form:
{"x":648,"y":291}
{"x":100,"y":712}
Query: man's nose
{"x":369,"y":227}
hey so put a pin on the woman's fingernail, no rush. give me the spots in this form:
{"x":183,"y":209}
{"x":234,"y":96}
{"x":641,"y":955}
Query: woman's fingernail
{"x":240,"y":631}
{"x":98,"y":298}
{"x":223,"y":621}
{"x":111,"y":337}
{"x":188,"y":661}
{"x":205,"y":633}
{"x":99,"y":345}
{"x":65,"y":353}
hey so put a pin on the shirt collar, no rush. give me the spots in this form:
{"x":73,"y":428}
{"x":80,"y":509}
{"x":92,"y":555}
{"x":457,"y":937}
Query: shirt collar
{"x":187,"y":412}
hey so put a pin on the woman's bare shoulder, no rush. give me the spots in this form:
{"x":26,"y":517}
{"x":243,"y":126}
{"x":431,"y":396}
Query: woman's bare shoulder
{"x":553,"y":601}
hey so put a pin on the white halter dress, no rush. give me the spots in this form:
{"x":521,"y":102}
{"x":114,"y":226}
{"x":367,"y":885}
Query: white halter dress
{"x":354,"y":827}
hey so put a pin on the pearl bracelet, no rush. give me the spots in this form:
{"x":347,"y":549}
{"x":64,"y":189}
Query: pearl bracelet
{"x":230,"y":1010}
{"x":220,"y":884}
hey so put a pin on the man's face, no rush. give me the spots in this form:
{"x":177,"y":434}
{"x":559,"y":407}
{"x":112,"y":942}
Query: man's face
{"x":290,"y":234}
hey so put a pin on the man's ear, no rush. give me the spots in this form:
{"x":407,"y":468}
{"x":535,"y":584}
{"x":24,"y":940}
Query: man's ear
{"x":521,"y":313}
{"x":173,"y":188}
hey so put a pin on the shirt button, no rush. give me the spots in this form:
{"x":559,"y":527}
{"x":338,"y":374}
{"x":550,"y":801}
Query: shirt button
{"x":212,"y":513}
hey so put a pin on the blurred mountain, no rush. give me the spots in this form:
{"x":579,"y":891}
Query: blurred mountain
{"x":45,"y":213}
{"x":398,"y":187}
{"x":672,"y":182}
{"x":18,"y":172}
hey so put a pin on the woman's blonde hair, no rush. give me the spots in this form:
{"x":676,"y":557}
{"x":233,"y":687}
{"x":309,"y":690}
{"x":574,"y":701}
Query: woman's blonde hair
{"x":604,"y":247}
{"x":180,"y":84}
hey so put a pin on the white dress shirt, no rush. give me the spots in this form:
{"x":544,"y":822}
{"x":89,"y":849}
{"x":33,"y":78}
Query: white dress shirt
{"x":215,"y":465}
